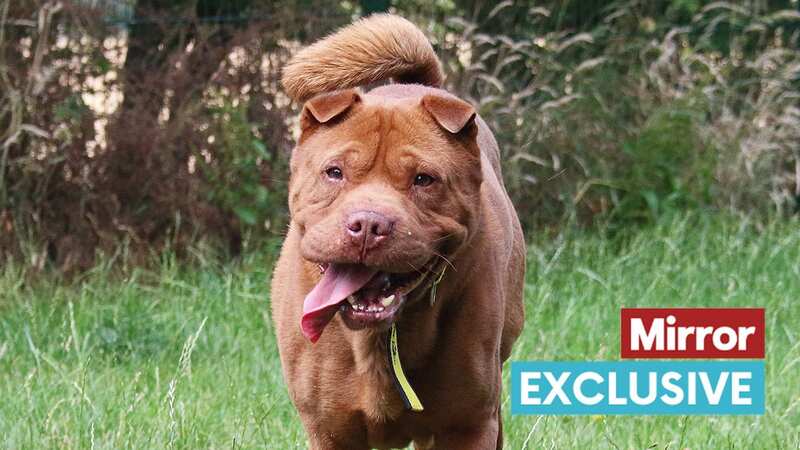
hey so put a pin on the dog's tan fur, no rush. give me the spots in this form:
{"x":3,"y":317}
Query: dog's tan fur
{"x":374,"y":49}
{"x":452,"y":350}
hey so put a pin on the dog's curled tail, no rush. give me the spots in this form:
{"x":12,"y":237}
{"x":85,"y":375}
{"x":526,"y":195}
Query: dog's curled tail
{"x":373,"y":49}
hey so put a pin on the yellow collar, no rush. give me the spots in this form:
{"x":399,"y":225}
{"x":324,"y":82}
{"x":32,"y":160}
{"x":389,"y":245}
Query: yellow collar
{"x":407,"y":393}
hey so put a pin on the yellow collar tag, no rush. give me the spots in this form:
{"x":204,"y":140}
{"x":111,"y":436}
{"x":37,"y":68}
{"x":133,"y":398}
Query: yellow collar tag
{"x":403,"y":386}
{"x":400,"y":381}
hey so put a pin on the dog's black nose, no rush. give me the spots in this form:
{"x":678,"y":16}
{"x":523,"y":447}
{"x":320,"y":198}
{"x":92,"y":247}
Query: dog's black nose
{"x":368,"y":228}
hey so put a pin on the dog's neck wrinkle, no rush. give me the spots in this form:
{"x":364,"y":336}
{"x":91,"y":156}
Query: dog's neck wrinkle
{"x":380,"y":401}
{"x":369,"y":352}
{"x":419,"y":325}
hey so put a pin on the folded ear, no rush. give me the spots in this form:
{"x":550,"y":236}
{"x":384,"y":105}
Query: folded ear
{"x":325,"y":107}
{"x":450,"y":113}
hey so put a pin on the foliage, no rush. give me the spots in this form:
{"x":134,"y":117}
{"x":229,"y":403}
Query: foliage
{"x":156,"y":124}
{"x":237,"y":182}
{"x":153,"y":131}
{"x":617,"y":113}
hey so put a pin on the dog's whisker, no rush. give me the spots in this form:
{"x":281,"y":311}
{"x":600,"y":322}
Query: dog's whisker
{"x":443,"y":237}
{"x":414,"y":268}
{"x":445,"y":260}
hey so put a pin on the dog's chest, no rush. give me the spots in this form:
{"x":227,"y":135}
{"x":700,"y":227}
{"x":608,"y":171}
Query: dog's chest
{"x":375,"y":389}
{"x":380,"y":408}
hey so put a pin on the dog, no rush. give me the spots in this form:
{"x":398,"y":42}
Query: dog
{"x":397,"y":295}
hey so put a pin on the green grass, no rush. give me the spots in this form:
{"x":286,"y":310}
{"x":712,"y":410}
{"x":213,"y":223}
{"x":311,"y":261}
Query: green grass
{"x":180,"y":357}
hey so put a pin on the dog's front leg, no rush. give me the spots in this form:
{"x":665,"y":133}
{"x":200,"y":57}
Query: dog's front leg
{"x":324,"y":441}
{"x":331,"y":429}
{"x":484,"y":436}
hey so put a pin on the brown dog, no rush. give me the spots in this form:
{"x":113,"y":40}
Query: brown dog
{"x":399,"y":217}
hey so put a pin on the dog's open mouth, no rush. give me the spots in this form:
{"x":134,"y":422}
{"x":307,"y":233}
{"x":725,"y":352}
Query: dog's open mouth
{"x":365,"y":296}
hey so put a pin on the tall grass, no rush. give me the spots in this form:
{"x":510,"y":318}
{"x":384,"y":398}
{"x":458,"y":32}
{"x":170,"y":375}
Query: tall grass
{"x":178,"y":357}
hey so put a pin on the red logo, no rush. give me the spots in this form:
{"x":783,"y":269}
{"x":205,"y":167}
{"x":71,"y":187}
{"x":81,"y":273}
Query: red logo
{"x":692,"y":333}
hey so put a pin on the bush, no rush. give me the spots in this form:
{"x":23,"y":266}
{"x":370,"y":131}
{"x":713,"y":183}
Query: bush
{"x":163,"y":125}
{"x":246,"y":177}
{"x":158,"y":129}
{"x":638,"y":108}
{"x":670,"y":167}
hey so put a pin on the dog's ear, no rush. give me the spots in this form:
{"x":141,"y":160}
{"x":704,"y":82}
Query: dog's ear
{"x":452,"y":114}
{"x":326,"y":107}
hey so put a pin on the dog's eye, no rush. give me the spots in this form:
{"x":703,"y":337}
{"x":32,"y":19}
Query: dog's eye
{"x":334,"y":173}
{"x":423,"y":179}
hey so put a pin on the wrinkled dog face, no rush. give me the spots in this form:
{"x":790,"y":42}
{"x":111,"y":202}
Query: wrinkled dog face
{"x":381,"y":182}
{"x":382,"y":190}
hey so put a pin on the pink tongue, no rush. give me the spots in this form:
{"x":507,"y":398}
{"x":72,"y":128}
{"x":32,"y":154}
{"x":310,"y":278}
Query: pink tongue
{"x":321,"y":304}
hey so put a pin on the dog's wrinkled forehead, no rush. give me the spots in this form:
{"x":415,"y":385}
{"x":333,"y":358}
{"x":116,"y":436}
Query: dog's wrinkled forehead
{"x":365,"y":130}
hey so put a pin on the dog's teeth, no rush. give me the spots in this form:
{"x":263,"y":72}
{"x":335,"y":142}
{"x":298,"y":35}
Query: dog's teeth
{"x":388,"y":300}
{"x":380,"y":308}
{"x":351,"y":299}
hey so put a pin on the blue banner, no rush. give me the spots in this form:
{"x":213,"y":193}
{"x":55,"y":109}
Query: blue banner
{"x":637,"y":387}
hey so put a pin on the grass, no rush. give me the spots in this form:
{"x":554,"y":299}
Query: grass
{"x":179,"y":357}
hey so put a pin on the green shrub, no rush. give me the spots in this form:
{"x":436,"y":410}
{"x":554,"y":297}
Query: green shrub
{"x":240,"y":175}
{"x":621,"y":112}
{"x":669,"y":167}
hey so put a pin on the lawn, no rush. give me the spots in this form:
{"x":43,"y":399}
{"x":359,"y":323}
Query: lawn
{"x":185,"y":357}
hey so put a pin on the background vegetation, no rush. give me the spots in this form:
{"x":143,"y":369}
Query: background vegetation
{"x":152,"y":125}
